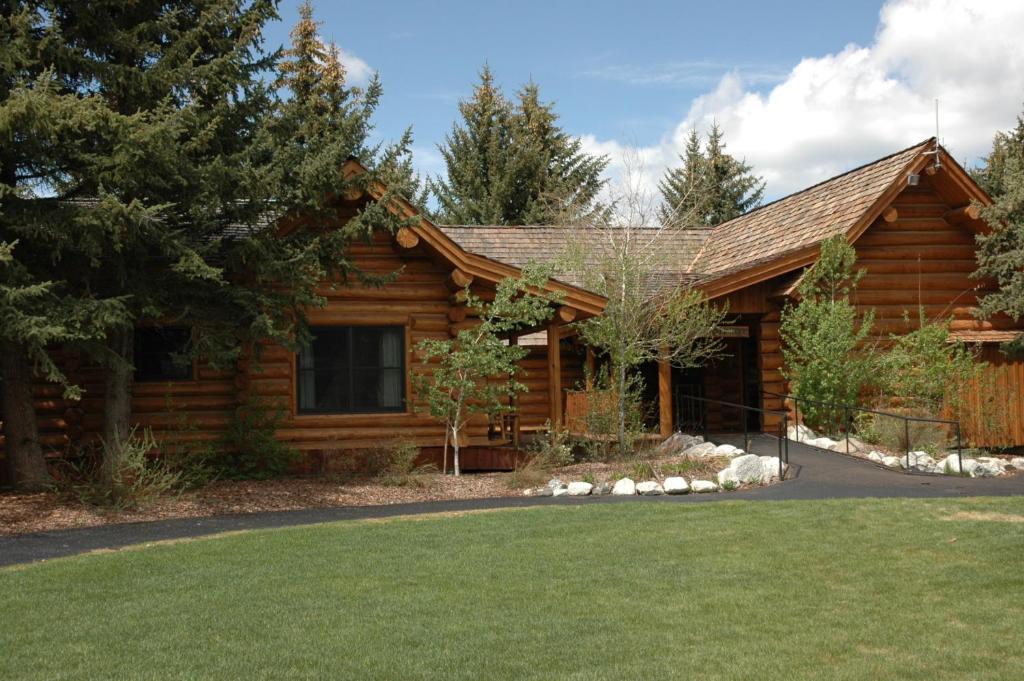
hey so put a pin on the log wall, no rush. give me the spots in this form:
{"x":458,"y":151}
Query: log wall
{"x":421,"y":299}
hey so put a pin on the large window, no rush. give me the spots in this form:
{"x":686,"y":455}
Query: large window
{"x":162,"y":354}
{"x":352,"y":369}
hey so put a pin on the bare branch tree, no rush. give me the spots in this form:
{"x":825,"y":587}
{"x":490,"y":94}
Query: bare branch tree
{"x":639,"y":263}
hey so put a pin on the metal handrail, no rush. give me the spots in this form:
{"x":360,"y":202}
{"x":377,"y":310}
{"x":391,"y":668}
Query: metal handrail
{"x":848,"y":410}
{"x":783,"y":436}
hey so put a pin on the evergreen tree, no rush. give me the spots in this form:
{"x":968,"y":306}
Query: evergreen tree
{"x":1001,"y":252}
{"x":712,"y":186}
{"x":511,"y":164}
{"x":151,"y":161}
{"x":681,"y":188}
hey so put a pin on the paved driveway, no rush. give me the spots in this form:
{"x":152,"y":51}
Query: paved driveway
{"x":815,"y":474}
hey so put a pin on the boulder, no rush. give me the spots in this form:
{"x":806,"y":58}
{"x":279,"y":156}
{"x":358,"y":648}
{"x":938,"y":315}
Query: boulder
{"x":891,"y":461}
{"x":858,"y":445}
{"x":919,"y":461}
{"x":676,"y":485}
{"x":950,"y":465}
{"x":1002,"y":463}
{"x":601,"y":489}
{"x":676,"y":443}
{"x":649,"y":488}
{"x":579,"y":489}
{"x":560,"y":491}
{"x":1017,"y":462}
{"x":876,"y":456}
{"x":727,"y":450}
{"x":624,"y":487}
{"x":822,"y":443}
{"x":987,"y":469}
{"x":727,"y":478}
{"x":770,"y":468}
{"x":538,"y":492}
{"x":969,"y":466}
{"x":800,"y":433}
{"x":748,"y":468}
{"x":701,"y":486}
{"x":555,"y":483}
{"x":701,"y":450}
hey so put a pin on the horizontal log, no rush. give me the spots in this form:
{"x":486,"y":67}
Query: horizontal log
{"x":890,"y":214}
{"x":459,"y":279}
{"x":406,"y":238}
{"x":911,"y":283}
{"x":963,"y":214}
{"x":881,"y":266}
{"x":908,"y":238}
{"x":566,"y":314}
{"x":433,"y":292}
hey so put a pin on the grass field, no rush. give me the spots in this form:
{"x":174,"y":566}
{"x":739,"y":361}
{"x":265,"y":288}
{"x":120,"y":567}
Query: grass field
{"x":863,"y":589}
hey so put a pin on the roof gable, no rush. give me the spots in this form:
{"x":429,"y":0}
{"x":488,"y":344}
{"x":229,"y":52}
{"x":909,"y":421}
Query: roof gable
{"x":786,"y":234}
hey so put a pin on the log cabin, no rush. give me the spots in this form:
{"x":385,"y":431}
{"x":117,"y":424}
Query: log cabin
{"x":911,"y":217}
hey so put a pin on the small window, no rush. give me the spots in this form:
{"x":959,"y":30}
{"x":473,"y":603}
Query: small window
{"x":162,"y":354}
{"x":351,"y":370}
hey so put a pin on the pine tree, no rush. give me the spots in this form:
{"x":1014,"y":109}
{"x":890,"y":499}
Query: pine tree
{"x":1001,"y":252}
{"x":682,"y":187}
{"x":712,"y":186}
{"x":150,"y":162}
{"x":511,"y":164}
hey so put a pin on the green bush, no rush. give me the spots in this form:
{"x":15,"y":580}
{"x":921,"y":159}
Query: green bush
{"x":250,"y":448}
{"x":135,"y":481}
{"x":823,"y":338}
{"x":551,"y":448}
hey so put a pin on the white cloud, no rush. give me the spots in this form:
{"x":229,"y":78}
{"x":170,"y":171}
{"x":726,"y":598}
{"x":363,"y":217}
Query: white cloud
{"x":357,"y":71}
{"x":837,"y":111}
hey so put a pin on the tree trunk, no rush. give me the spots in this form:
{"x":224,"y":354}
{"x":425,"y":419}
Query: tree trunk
{"x":456,"y":427}
{"x":622,"y":409}
{"x":21,"y":431}
{"x":117,"y":411}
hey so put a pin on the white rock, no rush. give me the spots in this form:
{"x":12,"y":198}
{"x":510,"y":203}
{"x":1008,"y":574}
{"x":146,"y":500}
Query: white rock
{"x":624,"y":487}
{"x":700,"y":486}
{"x":727,"y":477}
{"x":748,"y":468}
{"x":727,"y":450}
{"x":841,"y":448}
{"x":891,"y":461}
{"x":919,"y":460}
{"x":602,"y":488}
{"x":986,"y":469}
{"x":560,"y":492}
{"x":969,"y":466}
{"x":579,"y":489}
{"x":800,"y":433}
{"x":858,"y":445}
{"x":678,"y":442}
{"x":1002,"y":463}
{"x":649,"y":488}
{"x":701,"y":450}
{"x":822,"y":442}
{"x":555,"y":483}
{"x":875,"y":456}
{"x":676,"y":485}
{"x":1017,"y":462}
{"x":770,"y":468}
{"x":950,"y":465}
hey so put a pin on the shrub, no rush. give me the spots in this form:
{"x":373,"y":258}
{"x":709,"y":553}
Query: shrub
{"x":250,"y":448}
{"x":137,"y":480}
{"x":822,"y":338}
{"x":600,"y":437}
{"x":552,"y":448}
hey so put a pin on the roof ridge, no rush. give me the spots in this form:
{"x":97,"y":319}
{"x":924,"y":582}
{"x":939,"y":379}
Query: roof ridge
{"x":930,"y":140}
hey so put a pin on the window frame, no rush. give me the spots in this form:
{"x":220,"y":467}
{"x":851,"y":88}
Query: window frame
{"x":351,"y":368}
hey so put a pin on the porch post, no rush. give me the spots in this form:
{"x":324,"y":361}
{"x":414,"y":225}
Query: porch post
{"x":554,"y":374}
{"x":665,"y":396}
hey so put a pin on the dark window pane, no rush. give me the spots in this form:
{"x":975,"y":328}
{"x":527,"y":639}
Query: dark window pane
{"x":352,"y":369}
{"x":162,"y":354}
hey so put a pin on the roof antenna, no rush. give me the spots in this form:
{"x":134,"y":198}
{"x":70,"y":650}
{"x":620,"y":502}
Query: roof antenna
{"x":935,"y":152}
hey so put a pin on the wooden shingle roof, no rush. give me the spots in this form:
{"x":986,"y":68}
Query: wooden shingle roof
{"x":802,"y":220}
{"x":520,"y":245}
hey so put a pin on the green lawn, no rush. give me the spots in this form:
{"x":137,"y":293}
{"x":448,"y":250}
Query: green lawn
{"x":736,"y":590}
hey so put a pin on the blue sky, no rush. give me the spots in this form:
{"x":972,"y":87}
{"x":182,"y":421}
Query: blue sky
{"x":640,"y":74}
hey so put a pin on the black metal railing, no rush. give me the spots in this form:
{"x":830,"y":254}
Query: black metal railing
{"x":681,"y":407}
{"x":847,"y":422}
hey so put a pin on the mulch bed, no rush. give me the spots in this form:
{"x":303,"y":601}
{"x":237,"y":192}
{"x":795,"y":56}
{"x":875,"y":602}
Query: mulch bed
{"x":22,"y":513}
